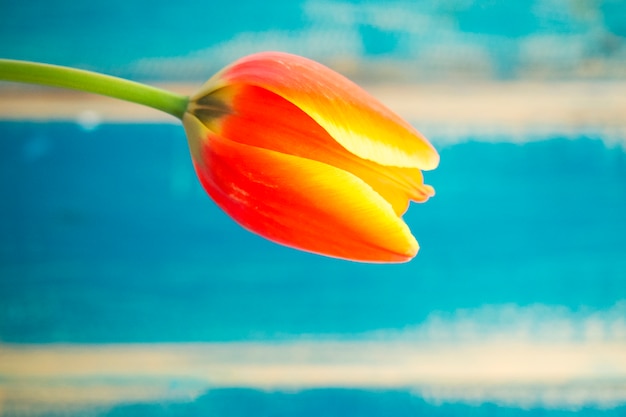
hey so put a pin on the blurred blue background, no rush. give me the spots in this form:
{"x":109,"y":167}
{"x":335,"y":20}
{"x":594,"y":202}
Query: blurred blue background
{"x":107,"y":239}
{"x":190,"y":39}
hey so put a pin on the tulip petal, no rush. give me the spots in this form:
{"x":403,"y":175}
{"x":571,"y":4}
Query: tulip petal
{"x":299,"y":202}
{"x":261,"y":118}
{"x":355,"y":119}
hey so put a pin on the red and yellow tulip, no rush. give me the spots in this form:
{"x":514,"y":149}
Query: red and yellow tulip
{"x":302,"y":156}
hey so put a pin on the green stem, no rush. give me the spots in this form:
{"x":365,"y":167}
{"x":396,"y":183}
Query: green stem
{"x":92,"y":82}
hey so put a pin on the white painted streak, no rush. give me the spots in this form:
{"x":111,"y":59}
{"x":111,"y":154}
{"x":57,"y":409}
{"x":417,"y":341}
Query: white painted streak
{"x":503,"y":354}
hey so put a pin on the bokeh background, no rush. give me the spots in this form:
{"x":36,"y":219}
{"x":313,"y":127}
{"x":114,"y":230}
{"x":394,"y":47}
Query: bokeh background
{"x":413,"y":40}
{"x":125,"y":291}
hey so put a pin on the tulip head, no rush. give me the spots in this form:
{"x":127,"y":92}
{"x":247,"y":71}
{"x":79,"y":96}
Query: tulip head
{"x":302,"y":156}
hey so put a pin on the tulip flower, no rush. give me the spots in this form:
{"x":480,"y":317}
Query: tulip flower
{"x":300,"y":155}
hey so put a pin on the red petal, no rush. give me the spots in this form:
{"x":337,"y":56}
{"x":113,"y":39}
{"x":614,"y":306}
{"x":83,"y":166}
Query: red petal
{"x":352,"y":117}
{"x":301,"y":203}
{"x":263,"y":119}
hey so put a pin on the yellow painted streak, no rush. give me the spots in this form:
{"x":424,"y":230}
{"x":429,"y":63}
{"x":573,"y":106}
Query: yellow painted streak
{"x":316,"y":363}
{"x":511,"y":105}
